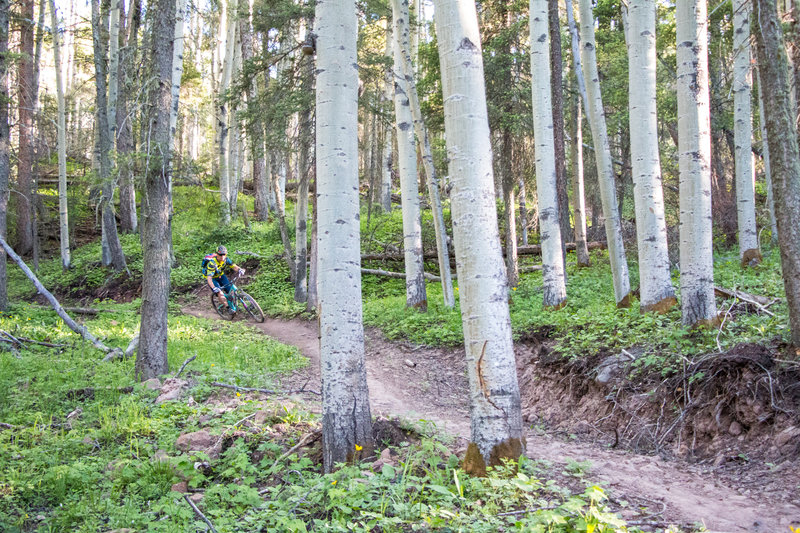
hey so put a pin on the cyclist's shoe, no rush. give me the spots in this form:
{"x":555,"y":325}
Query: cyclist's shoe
{"x":230,"y":311}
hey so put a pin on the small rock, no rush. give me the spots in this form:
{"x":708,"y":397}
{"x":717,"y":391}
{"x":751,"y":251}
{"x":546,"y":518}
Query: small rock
{"x":720,"y":459}
{"x":75,"y":414}
{"x":199,"y":441}
{"x":152,"y":384}
{"x":784,"y":437}
{"x":197,"y":497}
{"x":409,"y":363}
{"x":582,"y":427}
{"x":735,"y":429}
{"x":181,"y":487}
{"x":386,"y":456}
{"x":171,"y":390}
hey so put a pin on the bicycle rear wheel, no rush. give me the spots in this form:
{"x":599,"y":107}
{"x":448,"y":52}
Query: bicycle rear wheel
{"x":223,"y":312}
{"x":251,"y":306}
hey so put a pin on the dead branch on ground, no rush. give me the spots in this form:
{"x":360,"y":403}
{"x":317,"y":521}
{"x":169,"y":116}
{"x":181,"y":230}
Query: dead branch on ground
{"x":189,"y":360}
{"x":399,"y":275}
{"x":306,"y":439}
{"x":199,"y":513}
{"x":74,"y":326}
{"x":760,"y":302}
{"x":264,"y":391}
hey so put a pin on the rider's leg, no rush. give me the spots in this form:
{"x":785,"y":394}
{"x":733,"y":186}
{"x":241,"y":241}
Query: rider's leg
{"x":220,"y":295}
{"x":226,"y":285}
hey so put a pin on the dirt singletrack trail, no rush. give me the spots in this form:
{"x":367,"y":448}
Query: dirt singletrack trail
{"x":422,"y":383}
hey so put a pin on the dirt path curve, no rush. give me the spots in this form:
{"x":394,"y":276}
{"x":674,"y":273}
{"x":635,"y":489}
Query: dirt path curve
{"x":421,"y":383}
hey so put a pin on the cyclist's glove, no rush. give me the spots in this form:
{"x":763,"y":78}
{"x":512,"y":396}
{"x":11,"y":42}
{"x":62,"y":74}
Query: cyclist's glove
{"x":215,"y":290}
{"x":241,"y":272}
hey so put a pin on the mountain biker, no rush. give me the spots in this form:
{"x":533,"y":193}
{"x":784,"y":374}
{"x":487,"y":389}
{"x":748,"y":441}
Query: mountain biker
{"x":214,"y":266}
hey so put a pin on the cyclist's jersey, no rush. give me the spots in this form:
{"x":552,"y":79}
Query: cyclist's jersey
{"x":212,"y":267}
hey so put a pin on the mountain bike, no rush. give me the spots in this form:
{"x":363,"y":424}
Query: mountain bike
{"x":238,"y":301}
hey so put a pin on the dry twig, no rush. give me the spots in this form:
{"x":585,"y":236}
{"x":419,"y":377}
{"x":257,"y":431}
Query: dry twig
{"x":199,"y":513}
{"x":308,"y":438}
{"x":189,"y":360}
{"x":263,"y":391}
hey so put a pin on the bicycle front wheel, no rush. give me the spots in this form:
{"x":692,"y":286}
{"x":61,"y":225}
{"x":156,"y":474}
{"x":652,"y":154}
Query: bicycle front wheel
{"x":221,"y":310}
{"x":251,"y":306}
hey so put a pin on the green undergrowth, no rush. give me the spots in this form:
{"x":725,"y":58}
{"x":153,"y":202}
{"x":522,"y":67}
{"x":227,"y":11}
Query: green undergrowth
{"x":590,"y":323}
{"x":84,"y":448}
{"x":79,"y":454}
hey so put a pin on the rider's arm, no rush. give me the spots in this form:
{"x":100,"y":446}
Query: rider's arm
{"x":210,"y":283}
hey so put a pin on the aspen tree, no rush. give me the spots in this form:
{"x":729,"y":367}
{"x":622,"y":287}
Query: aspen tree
{"x":111,"y":246}
{"x":388,"y":144}
{"x":495,"y":413}
{"x":784,"y":152}
{"x":125,"y":142}
{"x":655,"y":284}
{"x":773,"y":224}
{"x":578,"y":189}
{"x":416,"y":296}
{"x":749,"y":252}
{"x":305,"y":136}
{"x":346,"y":422}
{"x":5,"y":148}
{"x":63,"y":218}
{"x":553,"y":280}
{"x":694,"y":159}
{"x":224,"y":120}
{"x":255,"y":128}
{"x":589,"y":85}
{"x":400,"y":10}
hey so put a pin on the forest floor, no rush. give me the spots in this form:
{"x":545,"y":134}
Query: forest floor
{"x":418,"y":383}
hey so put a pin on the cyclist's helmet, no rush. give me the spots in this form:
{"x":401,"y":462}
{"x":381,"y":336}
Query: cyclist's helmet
{"x":221,"y":250}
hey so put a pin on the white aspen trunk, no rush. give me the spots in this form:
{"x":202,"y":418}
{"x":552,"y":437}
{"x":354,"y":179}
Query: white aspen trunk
{"x":63,"y":211}
{"x":113,"y":71}
{"x":388,"y":146}
{"x":346,"y":423}
{"x":416,"y":295}
{"x":749,"y":252}
{"x":5,"y":149}
{"x":655,"y":284}
{"x":523,"y":211}
{"x":553,"y":281}
{"x":495,"y":413}
{"x":589,"y":83}
{"x":414,"y":35}
{"x":694,"y":159}
{"x":177,"y":72}
{"x":234,"y":131}
{"x":224,"y":112}
{"x":578,"y":189}
{"x":773,"y":223}
{"x":305,"y":136}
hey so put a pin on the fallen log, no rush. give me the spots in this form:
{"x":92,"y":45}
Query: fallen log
{"x":399,"y":275}
{"x":760,"y":302}
{"x":264,"y":391}
{"x":74,"y":326}
{"x":532,"y":249}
